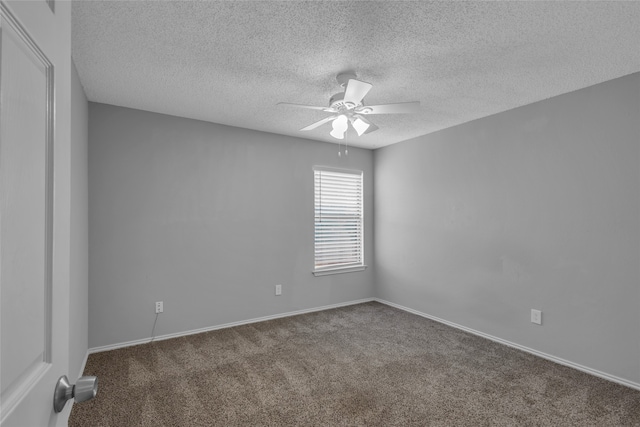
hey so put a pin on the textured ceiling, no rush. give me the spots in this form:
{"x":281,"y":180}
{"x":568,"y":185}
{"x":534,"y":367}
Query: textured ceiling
{"x":231,"y":62}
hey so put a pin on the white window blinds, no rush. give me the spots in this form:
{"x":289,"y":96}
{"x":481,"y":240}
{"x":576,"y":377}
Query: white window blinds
{"x":338,"y":219}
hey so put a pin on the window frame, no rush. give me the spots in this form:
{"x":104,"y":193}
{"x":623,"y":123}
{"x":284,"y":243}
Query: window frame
{"x":338,"y":267}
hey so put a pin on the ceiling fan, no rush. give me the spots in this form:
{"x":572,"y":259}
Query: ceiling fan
{"x":348,"y":108}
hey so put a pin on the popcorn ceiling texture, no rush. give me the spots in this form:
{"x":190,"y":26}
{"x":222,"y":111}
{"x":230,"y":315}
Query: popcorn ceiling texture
{"x":363,"y":365}
{"x":230,"y":62}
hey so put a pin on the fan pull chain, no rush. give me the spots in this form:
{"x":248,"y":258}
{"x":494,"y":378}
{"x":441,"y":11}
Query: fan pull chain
{"x":346,"y":144}
{"x":346,"y":141}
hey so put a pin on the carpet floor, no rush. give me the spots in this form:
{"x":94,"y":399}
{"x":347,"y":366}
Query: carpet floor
{"x":362,"y":365}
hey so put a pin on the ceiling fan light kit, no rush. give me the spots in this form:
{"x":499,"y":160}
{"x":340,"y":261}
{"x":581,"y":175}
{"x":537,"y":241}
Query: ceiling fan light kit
{"x":348,"y":107}
{"x":340,"y":126}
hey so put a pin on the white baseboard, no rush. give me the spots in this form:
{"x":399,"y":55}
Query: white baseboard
{"x":555,"y":359}
{"x":223,"y":326}
{"x":604,"y":375}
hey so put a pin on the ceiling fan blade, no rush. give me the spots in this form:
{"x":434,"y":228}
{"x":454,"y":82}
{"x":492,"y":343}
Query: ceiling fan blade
{"x":355,"y":91}
{"x":399,"y":108}
{"x":319,"y":123}
{"x":310,"y":107}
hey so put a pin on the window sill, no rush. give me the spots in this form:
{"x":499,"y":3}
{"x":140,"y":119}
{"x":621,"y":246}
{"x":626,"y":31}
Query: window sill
{"x":339,"y":270}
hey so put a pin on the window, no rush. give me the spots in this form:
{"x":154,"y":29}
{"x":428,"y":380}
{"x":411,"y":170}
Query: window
{"x":338,"y":221}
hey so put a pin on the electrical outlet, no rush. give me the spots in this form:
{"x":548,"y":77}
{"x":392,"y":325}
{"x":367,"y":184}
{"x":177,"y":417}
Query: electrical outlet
{"x":159,"y":307}
{"x":278,"y":289}
{"x":536,"y":316}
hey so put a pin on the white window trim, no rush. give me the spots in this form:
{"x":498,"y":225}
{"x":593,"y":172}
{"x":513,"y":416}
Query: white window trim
{"x":338,"y":270}
{"x":324,"y":271}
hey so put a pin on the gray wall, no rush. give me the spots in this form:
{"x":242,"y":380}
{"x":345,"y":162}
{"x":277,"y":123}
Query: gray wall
{"x":537,"y":207}
{"x":207,"y":218}
{"x":79,"y":268}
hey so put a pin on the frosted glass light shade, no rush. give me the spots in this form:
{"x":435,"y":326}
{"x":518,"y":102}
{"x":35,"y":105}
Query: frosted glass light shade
{"x":340,"y":125}
{"x":360,"y":126}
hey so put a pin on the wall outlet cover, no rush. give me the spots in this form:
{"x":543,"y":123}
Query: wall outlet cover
{"x":536,"y":316}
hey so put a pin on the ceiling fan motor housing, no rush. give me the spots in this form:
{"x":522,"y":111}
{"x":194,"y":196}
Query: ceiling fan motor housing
{"x":337,"y":103}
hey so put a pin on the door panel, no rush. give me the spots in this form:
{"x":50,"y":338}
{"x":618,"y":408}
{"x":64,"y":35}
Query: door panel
{"x":31,"y":360}
{"x":23,"y":184}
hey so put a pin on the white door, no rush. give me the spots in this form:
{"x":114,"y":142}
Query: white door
{"x":34,"y":211}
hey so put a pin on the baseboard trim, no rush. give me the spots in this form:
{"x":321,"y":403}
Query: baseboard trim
{"x":552,"y":358}
{"x":543,"y":355}
{"x":224,"y":326}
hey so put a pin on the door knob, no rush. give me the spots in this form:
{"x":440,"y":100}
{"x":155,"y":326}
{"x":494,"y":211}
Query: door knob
{"x":85,"y":388}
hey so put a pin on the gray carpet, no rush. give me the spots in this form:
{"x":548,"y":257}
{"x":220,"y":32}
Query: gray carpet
{"x":362,"y":365}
